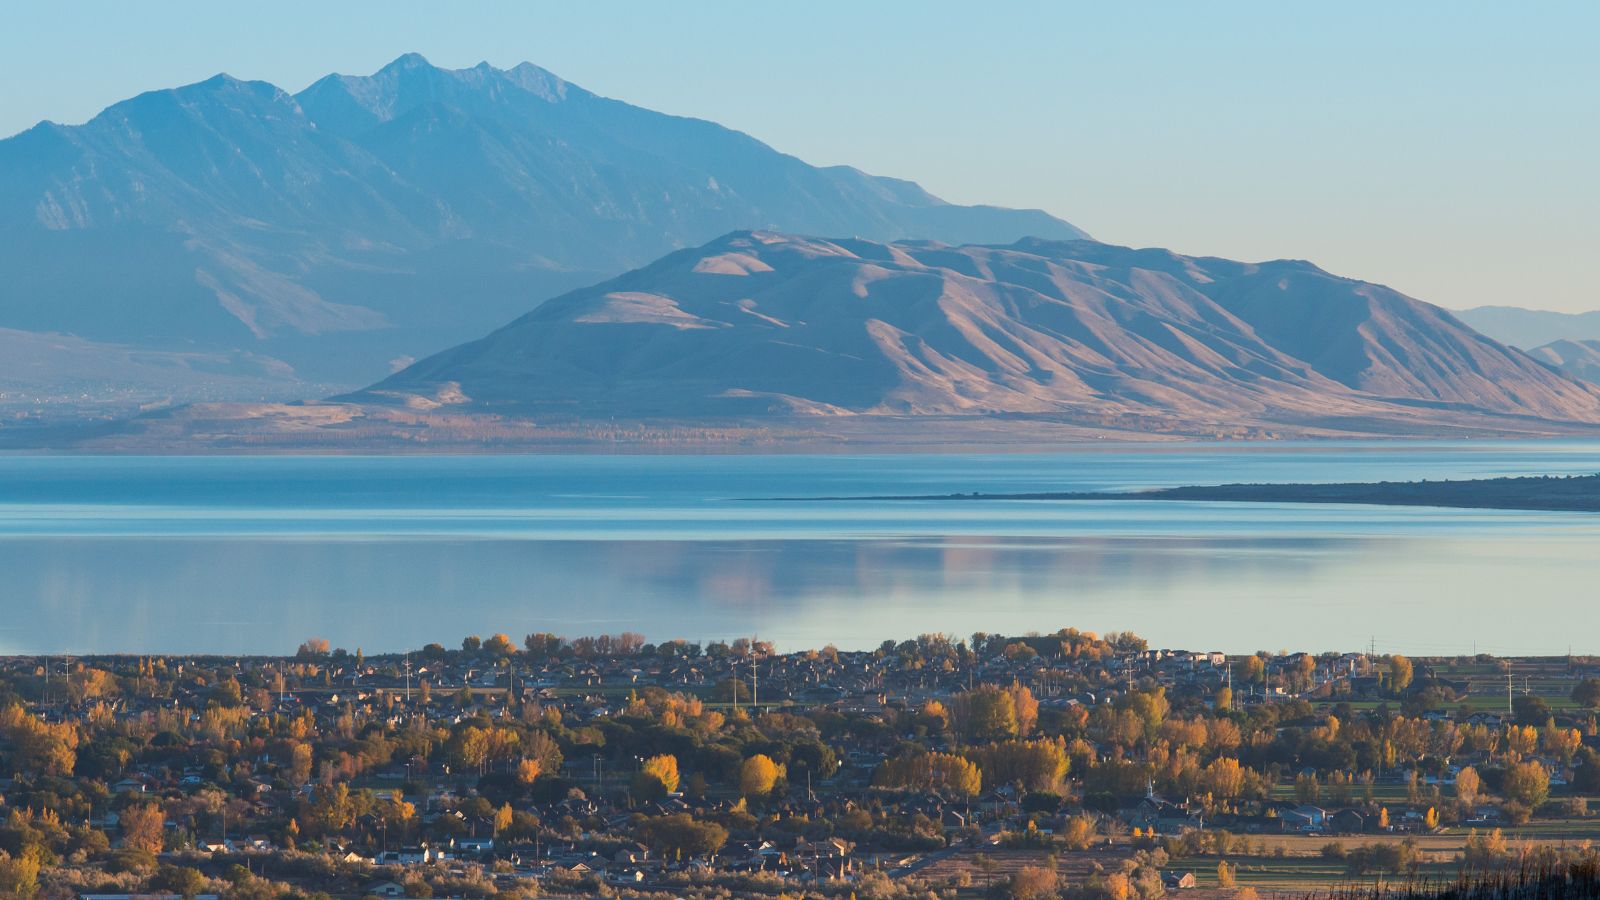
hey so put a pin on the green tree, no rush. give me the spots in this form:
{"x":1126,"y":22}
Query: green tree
{"x":682,"y":834}
{"x":180,"y":880}
{"x":986,"y":713}
{"x":1587,"y":693}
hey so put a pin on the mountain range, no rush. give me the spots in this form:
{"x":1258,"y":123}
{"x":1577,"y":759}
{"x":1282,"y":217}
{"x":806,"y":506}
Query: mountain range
{"x":1579,"y":359}
{"x":765,"y":324}
{"x":1531,"y":328}
{"x":369,"y":220}
{"x":202,"y":256}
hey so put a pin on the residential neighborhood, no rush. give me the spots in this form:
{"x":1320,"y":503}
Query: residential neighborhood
{"x":1035,"y":765}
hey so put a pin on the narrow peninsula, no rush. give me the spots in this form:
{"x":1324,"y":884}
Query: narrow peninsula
{"x":1573,"y":493}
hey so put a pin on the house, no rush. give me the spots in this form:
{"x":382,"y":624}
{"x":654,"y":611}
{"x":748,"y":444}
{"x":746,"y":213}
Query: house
{"x":1303,"y":819}
{"x":385,"y":889}
{"x":628,"y":876}
{"x":1154,"y":814}
{"x":1180,"y":881}
{"x":1347,"y":821}
{"x":410,"y":856}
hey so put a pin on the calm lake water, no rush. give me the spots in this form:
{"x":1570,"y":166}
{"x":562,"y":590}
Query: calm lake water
{"x":255,"y":554}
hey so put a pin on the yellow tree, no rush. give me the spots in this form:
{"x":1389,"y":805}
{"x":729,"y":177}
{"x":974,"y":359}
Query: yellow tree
{"x":142,"y":827}
{"x":1527,"y":783}
{"x":1039,"y":765}
{"x":1079,"y":832}
{"x":19,"y":875}
{"x":1467,"y":786}
{"x":502,"y":819}
{"x":528,"y":771}
{"x":299,"y":764}
{"x":1024,"y":707}
{"x":1562,"y":743}
{"x":664,"y":769}
{"x":1223,"y":778}
{"x":931,"y":772}
{"x":758,"y":775}
{"x":1400,"y":673}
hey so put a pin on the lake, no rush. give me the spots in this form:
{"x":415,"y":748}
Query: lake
{"x":254,"y":554}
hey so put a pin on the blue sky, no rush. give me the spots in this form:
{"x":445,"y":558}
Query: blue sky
{"x":1447,"y":149}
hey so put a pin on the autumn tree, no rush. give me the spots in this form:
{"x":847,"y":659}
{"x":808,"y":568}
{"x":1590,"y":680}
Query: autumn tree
{"x":1400,"y":672}
{"x":19,"y":875}
{"x":299,"y":764}
{"x":1225,"y":874}
{"x":1467,"y":786}
{"x":1223,"y":778}
{"x":39,"y":747}
{"x":758,"y":775}
{"x":1253,"y":670}
{"x":500,"y":645}
{"x":1527,"y":783}
{"x":143,"y":827}
{"x":657,"y":776}
{"x":1078,"y":833}
{"x":544,"y":749}
{"x":313,"y":647}
{"x":933,"y":773}
{"x":1024,"y":707}
{"x":528,"y":771}
{"x":1561,"y":743}
{"x":1039,"y":764}
{"x":1032,"y":883}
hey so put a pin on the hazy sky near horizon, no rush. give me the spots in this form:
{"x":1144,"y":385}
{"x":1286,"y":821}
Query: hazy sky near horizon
{"x":1446,"y":149}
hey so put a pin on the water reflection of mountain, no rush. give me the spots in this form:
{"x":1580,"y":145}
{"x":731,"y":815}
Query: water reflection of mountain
{"x":247,"y":595}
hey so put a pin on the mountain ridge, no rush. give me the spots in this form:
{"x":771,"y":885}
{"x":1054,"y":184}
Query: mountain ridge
{"x":370,"y":218}
{"x":757,"y":323}
{"x":1530,"y":328}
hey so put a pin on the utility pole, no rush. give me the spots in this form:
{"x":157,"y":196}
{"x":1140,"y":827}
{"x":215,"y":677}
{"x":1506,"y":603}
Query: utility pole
{"x":755,"y":684}
{"x":408,"y":679}
{"x":1509,"y":676}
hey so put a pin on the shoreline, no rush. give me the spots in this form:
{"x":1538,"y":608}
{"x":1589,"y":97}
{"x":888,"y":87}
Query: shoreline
{"x":1539,"y":493}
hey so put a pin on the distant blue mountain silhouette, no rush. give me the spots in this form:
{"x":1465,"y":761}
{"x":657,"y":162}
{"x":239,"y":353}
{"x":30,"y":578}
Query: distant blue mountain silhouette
{"x":388,"y":216}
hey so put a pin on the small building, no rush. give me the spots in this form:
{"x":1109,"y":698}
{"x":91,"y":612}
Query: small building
{"x":1180,"y":881}
{"x":1347,"y":821}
